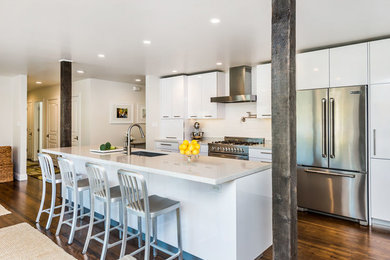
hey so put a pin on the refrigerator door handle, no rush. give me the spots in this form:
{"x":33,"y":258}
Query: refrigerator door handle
{"x":324,"y":130}
{"x":348,"y":175}
{"x":331,"y":130}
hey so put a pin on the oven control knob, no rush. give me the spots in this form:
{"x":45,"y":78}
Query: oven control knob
{"x":224,"y":149}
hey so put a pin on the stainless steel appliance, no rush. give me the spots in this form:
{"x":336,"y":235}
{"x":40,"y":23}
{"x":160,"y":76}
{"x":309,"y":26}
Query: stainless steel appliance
{"x":240,"y":86}
{"x":332,"y":151}
{"x":233,"y":147}
{"x":197,"y":134}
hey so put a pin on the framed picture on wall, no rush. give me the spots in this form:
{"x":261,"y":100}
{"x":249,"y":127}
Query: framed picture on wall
{"x":121,"y":114}
{"x":141,"y":113}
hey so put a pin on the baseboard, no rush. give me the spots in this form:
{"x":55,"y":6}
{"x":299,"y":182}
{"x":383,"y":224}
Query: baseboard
{"x":20,"y":176}
{"x":384,"y":224}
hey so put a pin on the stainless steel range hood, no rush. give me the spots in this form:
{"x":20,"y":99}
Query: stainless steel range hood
{"x":240,"y":85}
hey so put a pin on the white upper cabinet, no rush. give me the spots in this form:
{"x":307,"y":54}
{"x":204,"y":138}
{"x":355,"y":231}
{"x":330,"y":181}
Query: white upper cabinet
{"x":380,"y":61}
{"x":348,"y":65}
{"x":201,"y":88}
{"x":173,"y":97}
{"x":313,"y":70}
{"x":380,"y":121}
{"x":263,"y":87}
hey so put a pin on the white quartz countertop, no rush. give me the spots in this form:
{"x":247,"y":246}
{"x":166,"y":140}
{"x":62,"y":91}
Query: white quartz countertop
{"x":210,"y":170}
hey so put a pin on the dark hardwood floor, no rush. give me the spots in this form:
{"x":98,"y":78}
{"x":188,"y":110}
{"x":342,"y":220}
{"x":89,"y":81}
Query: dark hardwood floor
{"x":320,"y":237}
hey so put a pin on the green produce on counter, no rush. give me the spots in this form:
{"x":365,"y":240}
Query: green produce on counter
{"x":107,"y":146}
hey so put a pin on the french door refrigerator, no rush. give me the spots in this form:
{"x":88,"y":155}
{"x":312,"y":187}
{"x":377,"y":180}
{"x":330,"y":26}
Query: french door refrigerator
{"x":332,"y":151}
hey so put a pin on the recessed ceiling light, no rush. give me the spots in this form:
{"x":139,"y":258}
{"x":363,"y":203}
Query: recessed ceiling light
{"x":138,"y":80}
{"x":80,"y":72}
{"x":38,"y":82}
{"x":174,"y":71}
{"x":219,"y":63}
{"x":147,"y":42}
{"x":101,"y":55}
{"x":315,"y":69}
{"x":215,"y":20}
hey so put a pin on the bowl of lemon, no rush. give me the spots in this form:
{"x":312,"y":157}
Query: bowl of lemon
{"x":190,"y":149}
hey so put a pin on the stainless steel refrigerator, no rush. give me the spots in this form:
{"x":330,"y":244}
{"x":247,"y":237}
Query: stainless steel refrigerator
{"x":332,"y":151}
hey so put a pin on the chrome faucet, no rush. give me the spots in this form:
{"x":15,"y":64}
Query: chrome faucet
{"x":128,"y":152}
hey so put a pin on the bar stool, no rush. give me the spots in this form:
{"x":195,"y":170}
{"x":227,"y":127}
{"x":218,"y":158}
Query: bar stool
{"x":100,"y":191}
{"x":77,"y":186}
{"x":135,"y":199}
{"x":48,"y":176}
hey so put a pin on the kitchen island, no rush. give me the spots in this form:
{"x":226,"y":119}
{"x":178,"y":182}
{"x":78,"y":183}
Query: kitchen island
{"x":226,"y":203}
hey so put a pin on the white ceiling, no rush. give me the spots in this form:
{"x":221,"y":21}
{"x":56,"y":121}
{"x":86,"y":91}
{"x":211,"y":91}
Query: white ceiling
{"x":34,"y":35}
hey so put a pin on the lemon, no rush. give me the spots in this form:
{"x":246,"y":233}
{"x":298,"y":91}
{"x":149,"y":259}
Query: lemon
{"x":186,"y":142}
{"x":188,"y":152}
{"x":183,"y":147}
{"x":195,"y":152}
{"x":182,"y":152}
{"x":194,"y":142}
{"x":191,"y":147}
{"x":197,"y":146}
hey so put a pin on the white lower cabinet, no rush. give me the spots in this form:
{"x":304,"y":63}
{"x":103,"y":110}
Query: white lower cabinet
{"x":380,"y":189}
{"x":260,"y":155}
{"x":204,"y":149}
{"x":167,"y":146}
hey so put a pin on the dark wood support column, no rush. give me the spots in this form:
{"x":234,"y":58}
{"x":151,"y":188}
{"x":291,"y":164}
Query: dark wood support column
{"x":284,"y":170}
{"x":66,"y":104}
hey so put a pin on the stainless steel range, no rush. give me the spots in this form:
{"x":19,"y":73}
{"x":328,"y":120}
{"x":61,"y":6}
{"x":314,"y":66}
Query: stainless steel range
{"x":233,"y":147}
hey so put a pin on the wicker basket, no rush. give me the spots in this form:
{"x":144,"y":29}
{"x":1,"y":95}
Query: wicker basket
{"x":6,"y":166}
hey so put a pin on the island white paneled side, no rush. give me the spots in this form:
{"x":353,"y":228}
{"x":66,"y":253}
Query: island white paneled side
{"x":223,"y":201}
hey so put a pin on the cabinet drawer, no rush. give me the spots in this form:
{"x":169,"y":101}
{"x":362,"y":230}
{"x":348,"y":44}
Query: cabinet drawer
{"x":167,"y":146}
{"x":261,"y":154}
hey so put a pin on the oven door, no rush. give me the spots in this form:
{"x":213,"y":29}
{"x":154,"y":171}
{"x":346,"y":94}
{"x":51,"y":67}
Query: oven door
{"x":229,"y":156}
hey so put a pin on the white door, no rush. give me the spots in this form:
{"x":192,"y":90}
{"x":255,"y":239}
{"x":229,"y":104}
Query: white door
{"x":380,"y":192}
{"x":209,"y":90}
{"x":166,"y":98}
{"x":380,"y":121}
{"x":53,"y":123}
{"x":348,"y":65}
{"x":30,"y":124}
{"x":194,"y":97}
{"x":264,"y":91}
{"x":76,"y":120}
{"x":313,"y":70}
{"x":179,"y":101}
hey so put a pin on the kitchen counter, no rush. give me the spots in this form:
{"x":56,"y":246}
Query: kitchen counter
{"x":226,"y":204}
{"x":205,"y":169}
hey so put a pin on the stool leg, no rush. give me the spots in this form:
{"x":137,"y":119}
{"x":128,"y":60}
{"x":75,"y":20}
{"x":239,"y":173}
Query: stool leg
{"x":53,"y":202}
{"x":74,"y":220}
{"x":124,"y":235}
{"x":82,"y":203}
{"x":154,"y":241}
{"x":91,"y":220}
{"x":179,"y":242}
{"x":61,"y":216}
{"x":42,"y":201}
{"x":140,"y":232}
{"x":147,"y":237}
{"x":107,"y":230}
{"x":121,"y":219}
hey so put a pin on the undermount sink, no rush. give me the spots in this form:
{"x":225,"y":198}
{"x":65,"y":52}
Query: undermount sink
{"x":147,"y":154}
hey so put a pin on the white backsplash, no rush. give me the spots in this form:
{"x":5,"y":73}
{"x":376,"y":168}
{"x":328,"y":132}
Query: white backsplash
{"x":231,"y":124}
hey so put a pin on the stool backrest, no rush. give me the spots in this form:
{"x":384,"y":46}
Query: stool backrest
{"x":47,"y":167}
{"x":68,"y":173}
{"x":134,"y":191}
{"x":98,"y":181}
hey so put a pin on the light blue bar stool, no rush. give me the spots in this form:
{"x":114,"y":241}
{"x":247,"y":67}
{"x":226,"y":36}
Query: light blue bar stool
{"x":136,"y":201}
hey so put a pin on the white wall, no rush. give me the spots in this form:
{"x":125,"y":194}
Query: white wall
{"x":152,"y":110}
{"x":97,"y":97}
{"x":13,"y":115}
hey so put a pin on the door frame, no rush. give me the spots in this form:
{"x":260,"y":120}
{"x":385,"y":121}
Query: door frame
{"x":78,"y":95}
{"x":48,"y":119}
{"x":38,"y":124}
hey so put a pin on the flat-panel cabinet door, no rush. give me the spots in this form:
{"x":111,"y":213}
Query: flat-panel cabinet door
{"x":380,"y":121}
{"x":209,"y":89}
{"x":312,"y":127}
{"x":194,"y":97}
{"x":380,"y":61}
{"x":179,"y":95}
{"x":380,"y":192}
{"x":166,"y":98}
{"x":264,"y":91}
{"x":348,"y":65}
{"x":313,"y":70}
